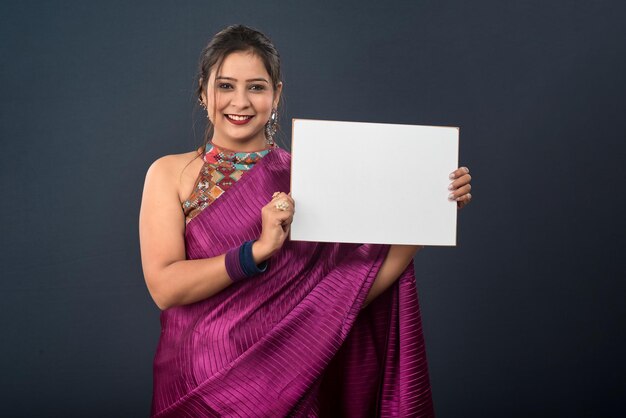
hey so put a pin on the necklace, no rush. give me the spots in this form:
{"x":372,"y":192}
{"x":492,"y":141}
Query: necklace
{"x":224,"y":157}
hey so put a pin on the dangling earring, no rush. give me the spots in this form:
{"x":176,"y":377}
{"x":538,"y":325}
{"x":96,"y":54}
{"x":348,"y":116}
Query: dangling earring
{"x":270,"y":127}
{"x":202,"y":103}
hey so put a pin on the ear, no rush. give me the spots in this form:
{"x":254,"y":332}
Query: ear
{"x":202,"y":90}
{"x":277,"y":93}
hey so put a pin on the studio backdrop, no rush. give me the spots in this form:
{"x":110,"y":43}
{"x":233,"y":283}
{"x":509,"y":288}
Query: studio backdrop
{"x":525,"y":317}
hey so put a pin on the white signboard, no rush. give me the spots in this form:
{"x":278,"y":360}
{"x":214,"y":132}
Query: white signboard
{"x":374,"y":183}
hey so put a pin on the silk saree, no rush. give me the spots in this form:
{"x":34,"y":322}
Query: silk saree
{"x":295,"y":340}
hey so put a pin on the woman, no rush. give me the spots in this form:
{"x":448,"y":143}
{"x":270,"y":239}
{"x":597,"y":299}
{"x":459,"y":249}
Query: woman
{"x":254,"y":324}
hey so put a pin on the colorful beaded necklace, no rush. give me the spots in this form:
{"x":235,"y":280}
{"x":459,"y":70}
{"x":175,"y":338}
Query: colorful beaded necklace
{"x":244,"y":161}
{"x":222,"y":168}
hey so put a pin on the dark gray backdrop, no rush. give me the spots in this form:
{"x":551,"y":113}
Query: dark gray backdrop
{"x":525,"y":317}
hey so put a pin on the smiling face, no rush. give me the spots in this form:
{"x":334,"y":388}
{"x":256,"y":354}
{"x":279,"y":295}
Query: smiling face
{"x":239,"y":102}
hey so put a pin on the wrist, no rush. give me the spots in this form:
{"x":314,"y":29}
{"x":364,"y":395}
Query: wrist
{"x":241,"y":263}
{"x":260,"y":252}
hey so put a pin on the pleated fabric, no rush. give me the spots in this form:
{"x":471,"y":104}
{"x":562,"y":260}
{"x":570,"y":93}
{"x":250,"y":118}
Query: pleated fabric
{"x":293,"y":341}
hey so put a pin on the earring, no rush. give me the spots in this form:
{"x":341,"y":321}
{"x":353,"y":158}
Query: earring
{"x":271,"y":126}
{"x":205,"y":108}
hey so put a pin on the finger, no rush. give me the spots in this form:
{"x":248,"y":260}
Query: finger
{"x":287,"y":221}
{"x":291,"y":204}
{"x":279,"y":222}
{"x":283,"y":214}
{"x":286,"y":197}
{"x":458,"y":193}
{"x":464,"y":200}
{"x":282,"y":203}
{"x":461,"y":181}
{"x":459,"y":172}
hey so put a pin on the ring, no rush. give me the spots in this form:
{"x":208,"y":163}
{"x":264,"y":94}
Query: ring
{"x":282,"y":205}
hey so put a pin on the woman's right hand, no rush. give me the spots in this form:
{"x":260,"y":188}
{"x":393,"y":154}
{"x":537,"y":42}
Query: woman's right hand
{"x":276,"y":224}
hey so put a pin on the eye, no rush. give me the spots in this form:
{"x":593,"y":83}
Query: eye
{"x":224,"y":86}
{"x":257,"y":87}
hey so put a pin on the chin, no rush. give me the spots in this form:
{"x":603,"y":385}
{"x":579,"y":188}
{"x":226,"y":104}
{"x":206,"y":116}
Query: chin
{"x":241,"y":137}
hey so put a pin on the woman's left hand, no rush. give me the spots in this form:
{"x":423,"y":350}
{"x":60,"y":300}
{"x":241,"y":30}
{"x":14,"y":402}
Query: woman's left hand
{"x":460,"y":187}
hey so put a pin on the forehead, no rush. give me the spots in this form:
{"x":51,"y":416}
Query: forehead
{"x":244,"y":65}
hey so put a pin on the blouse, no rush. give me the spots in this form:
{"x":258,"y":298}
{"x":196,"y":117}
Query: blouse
{"x":221,"y":169}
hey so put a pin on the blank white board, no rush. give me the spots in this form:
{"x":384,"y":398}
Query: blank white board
{"x":376,"y":183}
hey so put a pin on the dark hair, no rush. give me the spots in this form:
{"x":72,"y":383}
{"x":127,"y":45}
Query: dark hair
{"x":232,"y":39}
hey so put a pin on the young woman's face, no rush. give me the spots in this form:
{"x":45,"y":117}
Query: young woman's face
{"x":240,"y":100}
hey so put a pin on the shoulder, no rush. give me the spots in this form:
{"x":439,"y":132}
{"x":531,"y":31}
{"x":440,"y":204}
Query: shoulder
{"x":173,"y":163}
{"x":166,"y":170}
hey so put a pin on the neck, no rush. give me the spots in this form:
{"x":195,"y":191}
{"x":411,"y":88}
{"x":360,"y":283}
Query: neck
{"x":249,"y":145}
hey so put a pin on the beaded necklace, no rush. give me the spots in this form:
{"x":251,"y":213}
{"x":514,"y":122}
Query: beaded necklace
{"x":221,"y":169}
{"x":237,"y":160}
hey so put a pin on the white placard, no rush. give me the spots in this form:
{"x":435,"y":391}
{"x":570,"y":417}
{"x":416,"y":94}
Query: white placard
{"x":374,"y":183}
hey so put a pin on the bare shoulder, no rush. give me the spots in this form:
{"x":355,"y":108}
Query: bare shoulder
{"x":175,"y":173}
{"x":173,"y":163}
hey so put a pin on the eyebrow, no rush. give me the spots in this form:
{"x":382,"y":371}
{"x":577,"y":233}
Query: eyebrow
{"x":234,"y":79}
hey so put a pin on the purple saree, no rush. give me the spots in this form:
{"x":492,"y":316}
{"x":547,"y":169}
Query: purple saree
{"x":292,"y":341}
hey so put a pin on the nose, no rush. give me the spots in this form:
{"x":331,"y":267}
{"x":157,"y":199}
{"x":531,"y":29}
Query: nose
{"x":240,"y":99}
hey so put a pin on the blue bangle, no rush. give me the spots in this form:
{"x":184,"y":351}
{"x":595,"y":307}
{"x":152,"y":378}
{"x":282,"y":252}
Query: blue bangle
{"x":247,"y":260}
{"x":240,"y":263}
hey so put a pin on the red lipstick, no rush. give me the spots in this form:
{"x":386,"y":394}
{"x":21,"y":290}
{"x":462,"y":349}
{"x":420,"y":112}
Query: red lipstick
{"x":241,"y":121}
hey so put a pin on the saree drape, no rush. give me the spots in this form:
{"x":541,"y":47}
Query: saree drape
{"x":292,"y":341}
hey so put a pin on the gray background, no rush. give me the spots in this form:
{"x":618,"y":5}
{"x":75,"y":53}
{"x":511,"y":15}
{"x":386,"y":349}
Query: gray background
{"x":525,"y":317}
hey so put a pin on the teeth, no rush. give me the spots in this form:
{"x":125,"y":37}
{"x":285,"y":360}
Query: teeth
{"x":235,"y":117}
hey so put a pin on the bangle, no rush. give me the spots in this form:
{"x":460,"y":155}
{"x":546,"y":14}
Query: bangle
{"x":247,"y":260}
{"x":240,"y":263}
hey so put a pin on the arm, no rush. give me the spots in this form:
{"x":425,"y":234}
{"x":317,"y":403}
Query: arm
{"x":171,"y":279}
{"x":395,"y":263}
